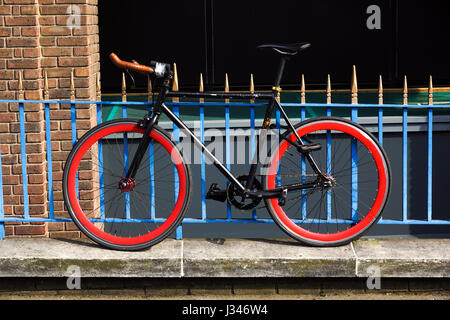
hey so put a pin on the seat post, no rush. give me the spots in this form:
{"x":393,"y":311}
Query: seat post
{"x":280,"y":70}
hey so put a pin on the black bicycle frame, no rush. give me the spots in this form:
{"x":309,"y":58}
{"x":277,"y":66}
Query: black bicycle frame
{"x":160,"y":107}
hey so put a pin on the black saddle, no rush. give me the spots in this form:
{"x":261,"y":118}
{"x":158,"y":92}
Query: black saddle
{"x":286,"y":49}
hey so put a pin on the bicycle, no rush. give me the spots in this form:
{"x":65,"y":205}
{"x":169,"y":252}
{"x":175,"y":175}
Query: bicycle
{"x":142,"y":202}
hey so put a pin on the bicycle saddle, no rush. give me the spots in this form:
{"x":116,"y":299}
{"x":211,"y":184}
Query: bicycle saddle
{"x":286,"y":49}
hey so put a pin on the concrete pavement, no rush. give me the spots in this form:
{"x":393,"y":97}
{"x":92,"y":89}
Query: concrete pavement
{"x":227,"y":258}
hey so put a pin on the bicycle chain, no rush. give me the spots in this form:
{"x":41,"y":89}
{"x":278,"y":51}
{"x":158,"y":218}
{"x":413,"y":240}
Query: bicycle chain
{"x":292,"y":176}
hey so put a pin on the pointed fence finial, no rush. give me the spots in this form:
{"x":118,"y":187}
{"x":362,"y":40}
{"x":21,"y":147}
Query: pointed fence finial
{"x":20,"y":87}
{"x":380,"y":90}
{"x":72,"y":86}
{"x":175,"y":82}
{"x":430,"y":91}
{"x":149,"y":89}
{"x":201,"y":88}
{"x":354,"y":88}
{"x":252,"y":87}
{"x":328,"y":90}
{"x":405,"y":91}
{"x":303,"y":90}
{"x":46,"y":92}
{"x":124,"y":88}
{"x":227,"y":87}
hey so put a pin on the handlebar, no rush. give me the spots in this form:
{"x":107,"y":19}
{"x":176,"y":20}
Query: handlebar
{"x":143,"y":69}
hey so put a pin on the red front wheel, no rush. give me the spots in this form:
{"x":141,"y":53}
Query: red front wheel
{"x":121,"y":213}
{"x":344,"y":205}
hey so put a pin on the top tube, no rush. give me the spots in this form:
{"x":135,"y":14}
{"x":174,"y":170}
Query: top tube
{"x":220,"y":95}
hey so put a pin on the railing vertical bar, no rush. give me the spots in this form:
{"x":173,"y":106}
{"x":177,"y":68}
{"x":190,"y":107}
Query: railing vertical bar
{"x":329,"y":166}
{"x":405,"y":163}
{"x":202,"y":165}
{"x":354,"y":155}
{"x":303,"y":117}
{"x":49,"y":160}
{"x":253,"y":144}
{"x":430,"y":165}
{"x":176,"y":136}
{"x":380,"y":110}
{"x":2,"y":210}
{"x":24,"y":162}
{"x":73,"y":123}
{"x":277,"y":120}
{"x":227,"y":151}
{"x":73,"y":118}
{"x":100,"y":166}
{"x":202,"y":156}
{"x":125,"y":162}
{"x":380,"y":133}
{"x":380,"y":126}
{"x":152,"y":175}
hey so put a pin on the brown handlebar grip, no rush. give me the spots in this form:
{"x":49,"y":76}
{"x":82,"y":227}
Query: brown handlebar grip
{"x":130,"y":65}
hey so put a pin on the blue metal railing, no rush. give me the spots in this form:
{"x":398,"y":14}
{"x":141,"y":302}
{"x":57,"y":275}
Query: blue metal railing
{"x":354,"y":108}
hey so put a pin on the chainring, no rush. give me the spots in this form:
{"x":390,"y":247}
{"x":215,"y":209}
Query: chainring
{"x":234,"y":196}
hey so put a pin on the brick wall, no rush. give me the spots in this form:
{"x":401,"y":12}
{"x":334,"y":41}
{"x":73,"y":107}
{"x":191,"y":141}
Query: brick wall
{"x":56,"y":37}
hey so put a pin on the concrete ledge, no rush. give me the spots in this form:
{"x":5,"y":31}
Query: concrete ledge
{"x":230,"y":258}
{"x":52,"y":258}
{"x":406,"y":258}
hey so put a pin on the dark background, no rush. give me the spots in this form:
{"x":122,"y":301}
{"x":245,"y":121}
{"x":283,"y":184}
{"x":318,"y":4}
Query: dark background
{"x":214,"y":37}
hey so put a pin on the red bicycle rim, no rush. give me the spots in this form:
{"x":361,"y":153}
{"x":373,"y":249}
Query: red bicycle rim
{"x":76,"y":205}
{"x":379,"y":200}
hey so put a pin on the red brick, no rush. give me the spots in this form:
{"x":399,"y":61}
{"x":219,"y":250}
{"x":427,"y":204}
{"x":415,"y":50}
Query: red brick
{"x":73,"y":41}
{"x":22,"y":42}
{"x":21,"y":21}
{"x":10,"y":180}
{"x":64,"y":234}
{"x":56,"y":52}
{"x":6,"y":74}
{"x":5,"y":32}
{"x":23,"y":64}
{"x":55,"y":31}
{"x":5,"y":10}
{"x":31,"y":52}
{"x":31,"y":74}
{"x":47,"y":41}
{"x":29,"y":10}
{"x":30,"y":230}
{"x":15,"y":2}
{"x":36,"y":179}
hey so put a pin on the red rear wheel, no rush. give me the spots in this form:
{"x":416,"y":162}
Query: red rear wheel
{"x":352,"y":199}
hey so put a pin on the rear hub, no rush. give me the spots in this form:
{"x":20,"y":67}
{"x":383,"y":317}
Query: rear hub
{"x":329,"y":182}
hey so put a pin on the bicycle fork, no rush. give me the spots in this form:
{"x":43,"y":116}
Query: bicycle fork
{"x":127,"y":183}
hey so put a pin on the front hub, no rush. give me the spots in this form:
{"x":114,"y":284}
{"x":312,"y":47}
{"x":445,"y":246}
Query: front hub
{"x":127,"y":185}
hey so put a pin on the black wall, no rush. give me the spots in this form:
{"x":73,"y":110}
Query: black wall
{"x":214,"y":37}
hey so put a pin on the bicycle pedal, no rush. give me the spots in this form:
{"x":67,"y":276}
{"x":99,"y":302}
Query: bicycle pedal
{"x":309,"y":147}
{"x":215,"y":193}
